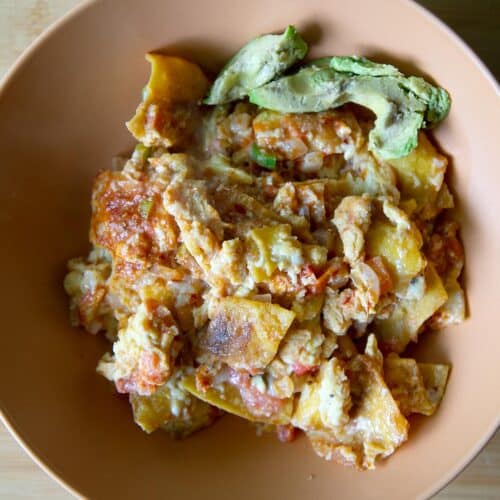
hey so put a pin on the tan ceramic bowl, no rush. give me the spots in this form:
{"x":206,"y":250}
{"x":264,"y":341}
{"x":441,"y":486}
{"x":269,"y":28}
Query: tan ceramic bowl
{"x":62,"y":114}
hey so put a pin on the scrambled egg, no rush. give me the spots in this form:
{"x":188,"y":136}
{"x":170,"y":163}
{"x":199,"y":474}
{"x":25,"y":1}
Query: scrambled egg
{"x":266,"y":291}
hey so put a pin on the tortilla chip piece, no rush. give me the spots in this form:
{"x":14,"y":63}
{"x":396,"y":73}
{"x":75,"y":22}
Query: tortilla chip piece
{"x":245,"y":334}
{"x":435,"y":377}
{"x":403,"y":377}
{"x":399,"y":243}
{"x":376,"y":426}
{"x":228,"y":398}
{"x":421,"y":174}
{"x":395,"y":332}
{"x":173,"y":409}
{"x":325,"y":403}
{"x":452,"y":312}
{"x":417,"y":387}
{"x":276,"y":248}
{"x":167,"y":113}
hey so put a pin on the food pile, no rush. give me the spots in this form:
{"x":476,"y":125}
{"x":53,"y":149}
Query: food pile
{"x":272,"y":246}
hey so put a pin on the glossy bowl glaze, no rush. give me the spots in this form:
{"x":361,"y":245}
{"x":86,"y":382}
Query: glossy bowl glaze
{"x":62,"y":114}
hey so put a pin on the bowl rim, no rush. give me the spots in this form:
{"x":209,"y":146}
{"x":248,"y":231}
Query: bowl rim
{"x":420,"y":10}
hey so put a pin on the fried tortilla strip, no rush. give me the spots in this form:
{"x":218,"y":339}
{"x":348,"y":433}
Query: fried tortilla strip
{"x":403,"y":377}
{"x":227,"y":397}
{"x":417,"y":387}
{"x":403,"y":325}
{"x":325,"y":403}
{"x":420,"y":175}
{"x":375,"y":427}
{"x":435,"y":377}
{"x":169,"y":112}
{"x":173,"y":409}
{"x":399,"y":242}
{"x":244,"y":333}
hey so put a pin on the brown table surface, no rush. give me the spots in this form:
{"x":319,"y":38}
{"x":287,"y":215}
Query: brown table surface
{"x":477,"y":22}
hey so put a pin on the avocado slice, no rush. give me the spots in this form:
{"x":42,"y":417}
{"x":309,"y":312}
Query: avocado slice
{"x":402,"y":105}
{"x":362,"y":66}
{"x":257,"y":63}
{"x":436,"y":98}
{"x":313,"y":88}
{"x":320,"y":62}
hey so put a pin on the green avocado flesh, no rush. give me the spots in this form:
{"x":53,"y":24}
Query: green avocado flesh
{"x":257,"y":63}
{"x":402,"y":105}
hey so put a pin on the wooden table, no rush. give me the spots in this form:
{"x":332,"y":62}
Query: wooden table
{"x":22,"y":20}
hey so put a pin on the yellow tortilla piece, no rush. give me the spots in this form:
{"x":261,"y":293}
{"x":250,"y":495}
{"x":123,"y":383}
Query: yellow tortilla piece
{"x":155,"y":411}
{"x":403,"y":377}
{"x":245,"y":334}
{"x":452,"y":312}
{"x":435,"y":377}
{"x":373,"y":427}
{"x":395,"y":332}
{"x":173,"y":81}
{"x":420,"y":174}
{"x":376,"y":427}
{"x":229,"y":400}
{"x":276,"y":248}
{"x":400,"y":249}
{"x":325,"y":403}
{"x":417,"y":387}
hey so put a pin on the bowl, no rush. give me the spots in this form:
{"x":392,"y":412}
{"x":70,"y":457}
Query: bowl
{"x":62,"y":113}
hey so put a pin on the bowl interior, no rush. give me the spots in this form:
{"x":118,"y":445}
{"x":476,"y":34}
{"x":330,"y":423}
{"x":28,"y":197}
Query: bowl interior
{"x":62,"y":115}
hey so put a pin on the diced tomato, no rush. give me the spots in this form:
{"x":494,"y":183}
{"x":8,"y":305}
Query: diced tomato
{"x":203,"y":379}
{"x":146,"y":378}
{"x":259,"y":403}
{"x":308,"y":277}
{"x":335,"y":274}
{"x":299,"y":369}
